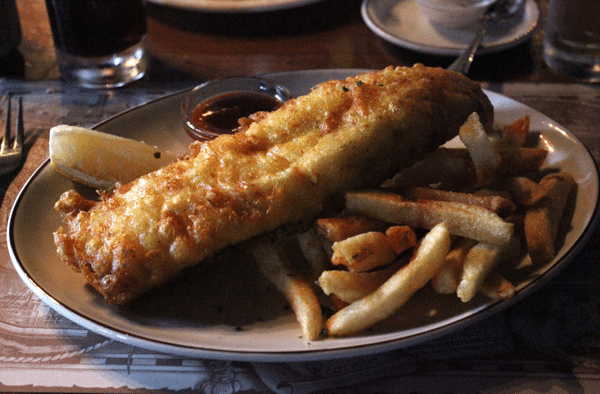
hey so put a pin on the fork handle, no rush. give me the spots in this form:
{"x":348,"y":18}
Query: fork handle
{"x":463,"y":63}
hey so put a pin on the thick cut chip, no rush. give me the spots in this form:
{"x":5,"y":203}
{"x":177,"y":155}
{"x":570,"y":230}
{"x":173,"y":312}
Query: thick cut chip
{"x":516,"y":133}
{"x":313,"y":251}
{"x":339,"y":228}
{"x":363,"y":252}
{"x":272,"y":262}
{"x":446,"y":280}
{"x":543,"y":219}
{"x":350,"y":286}
{"x":519,"y":161}
{"x":469,"y":221}
{"x":453,"y":168}
{"x":524,"y":190}
{"x":479,"y":262}
{"x":480,"y":148}
{"x":500,"y":205}
{"x":497,"y":287}
{"x":397,"y":290}
{"x":401,"y":238}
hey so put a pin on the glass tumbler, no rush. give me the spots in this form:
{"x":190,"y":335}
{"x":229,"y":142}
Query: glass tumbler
{"x":572,"y":39}
{"x":99,"y":43}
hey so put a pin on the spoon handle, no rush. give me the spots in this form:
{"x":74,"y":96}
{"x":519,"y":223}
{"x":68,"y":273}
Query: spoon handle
{"x":463,"y":62}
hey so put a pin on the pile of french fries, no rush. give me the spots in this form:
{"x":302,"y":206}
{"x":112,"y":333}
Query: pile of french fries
{"x":450,"y":220}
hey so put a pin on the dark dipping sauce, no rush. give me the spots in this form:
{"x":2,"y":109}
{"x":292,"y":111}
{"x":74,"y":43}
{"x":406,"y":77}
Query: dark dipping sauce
{"x":220,"y":114}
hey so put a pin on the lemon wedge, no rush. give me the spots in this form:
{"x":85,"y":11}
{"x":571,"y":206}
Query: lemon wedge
{"x":100,"y":160}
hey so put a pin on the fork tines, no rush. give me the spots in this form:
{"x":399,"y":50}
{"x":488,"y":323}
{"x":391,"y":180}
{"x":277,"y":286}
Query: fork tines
{"x":10,"y":156}
{"x":18,"y":143}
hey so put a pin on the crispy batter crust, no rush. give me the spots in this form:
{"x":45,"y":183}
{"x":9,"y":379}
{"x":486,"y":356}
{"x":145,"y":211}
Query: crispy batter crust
{"x":290,"y":166}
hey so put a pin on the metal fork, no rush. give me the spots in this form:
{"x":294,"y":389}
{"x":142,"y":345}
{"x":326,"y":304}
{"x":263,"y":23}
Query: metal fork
{"x":11,"y":156}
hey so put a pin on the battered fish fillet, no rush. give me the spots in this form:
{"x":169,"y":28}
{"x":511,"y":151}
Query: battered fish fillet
{"x":287,"y":167}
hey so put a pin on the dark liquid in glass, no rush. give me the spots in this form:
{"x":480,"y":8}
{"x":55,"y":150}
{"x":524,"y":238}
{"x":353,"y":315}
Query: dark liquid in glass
{"x":95,"y":28}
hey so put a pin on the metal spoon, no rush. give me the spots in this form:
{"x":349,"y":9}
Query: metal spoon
{"x":499,"y":11}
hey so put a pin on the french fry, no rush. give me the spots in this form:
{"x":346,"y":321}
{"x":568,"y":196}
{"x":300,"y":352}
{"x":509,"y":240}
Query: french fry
{"x":451,"y":167}
{"x":499,"y":205}
{"x":446,"y":280}
{"x":524,"y":190}
{"x":542,"y":220}
{"x":397,"y":290}
{"x":336,"y":303}
{"x":515,"y":134}
{"x":401,"y":238}
{"x":363,"y":252}
{"x":339,"y":228}
{"x":497,"y":287}
{"x":313,"y":251}
{"x":480,"y":148}
{"x":465,"y":220}
{"x":378,"y":226}
{"x":486,"y":192}
{"x":350,"y":286}
{"x":273,"y":264}
{"x":519,"y":161}
{"x":479,"y":262}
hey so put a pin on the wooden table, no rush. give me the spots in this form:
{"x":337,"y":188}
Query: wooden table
{"x":189,"y":45}
{"x":548,"y":342}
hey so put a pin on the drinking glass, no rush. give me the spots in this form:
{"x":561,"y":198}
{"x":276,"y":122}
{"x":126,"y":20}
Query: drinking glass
{"x":10,"y":28}
{"x":99,"y":43}
{"x":572,"y":39}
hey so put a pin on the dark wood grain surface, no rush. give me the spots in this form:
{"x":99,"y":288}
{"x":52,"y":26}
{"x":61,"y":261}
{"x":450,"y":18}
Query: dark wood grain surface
{"x":191,"y":45}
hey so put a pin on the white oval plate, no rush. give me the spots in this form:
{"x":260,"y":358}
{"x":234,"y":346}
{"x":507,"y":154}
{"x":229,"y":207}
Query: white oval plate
{"x":230,"y":313}
{"x":402,"y":23}
{"x":232,"y":6}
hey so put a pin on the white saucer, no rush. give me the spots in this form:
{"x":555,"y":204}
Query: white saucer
{"x":402,"y":23}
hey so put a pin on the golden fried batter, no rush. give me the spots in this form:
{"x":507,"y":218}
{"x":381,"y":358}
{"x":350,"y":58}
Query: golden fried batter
{"x":289,"y":166}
